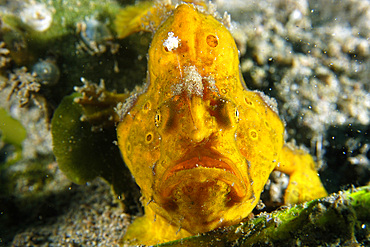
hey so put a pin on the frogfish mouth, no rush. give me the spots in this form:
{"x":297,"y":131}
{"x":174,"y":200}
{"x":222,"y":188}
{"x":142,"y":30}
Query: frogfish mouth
{"x":200,"y":187}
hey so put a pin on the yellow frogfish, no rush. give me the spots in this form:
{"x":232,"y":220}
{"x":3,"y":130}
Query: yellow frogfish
{"x":200,"y":145}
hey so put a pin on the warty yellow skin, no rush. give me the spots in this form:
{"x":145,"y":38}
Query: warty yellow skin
{"x":200,"y":145}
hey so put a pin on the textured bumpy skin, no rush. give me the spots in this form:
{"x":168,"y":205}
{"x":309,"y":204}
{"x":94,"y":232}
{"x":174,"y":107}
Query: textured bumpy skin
{"x":200,"y":145}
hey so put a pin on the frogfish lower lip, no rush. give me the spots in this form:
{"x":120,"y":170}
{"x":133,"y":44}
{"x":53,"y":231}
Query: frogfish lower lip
{"x":202,"y":169}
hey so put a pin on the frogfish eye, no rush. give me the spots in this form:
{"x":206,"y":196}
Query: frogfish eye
{"x":212,"y":41}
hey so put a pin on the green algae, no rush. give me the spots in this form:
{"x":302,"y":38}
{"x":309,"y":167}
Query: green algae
{"x":11,"y":129}
{"x":70,"y":142}
{"x":12,"y":132}
{"x":83,"y":155}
